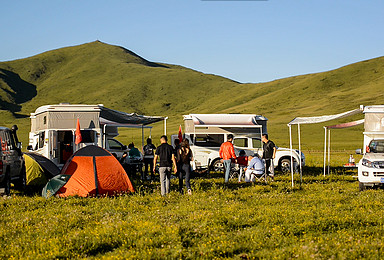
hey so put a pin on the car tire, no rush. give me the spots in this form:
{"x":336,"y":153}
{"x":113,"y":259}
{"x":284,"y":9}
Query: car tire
{"x":6,"y":185}
{"x":285,"y":165}
{"x":362,"y":187}
{"x":21,"y":183}
{"x":217,"y":166}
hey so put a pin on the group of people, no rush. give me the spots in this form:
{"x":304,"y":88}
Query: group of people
{"x":179,"y":157}
{"x":253,"y":165}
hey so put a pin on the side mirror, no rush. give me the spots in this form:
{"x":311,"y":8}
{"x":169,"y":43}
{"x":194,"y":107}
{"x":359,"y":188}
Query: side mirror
{"x":125,"y":147}
{"x":29,"y":147}
{"x":359,"y":151}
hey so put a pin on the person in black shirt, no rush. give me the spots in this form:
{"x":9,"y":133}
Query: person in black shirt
{"x":269,"y":153}
{"x":185,"y":156}
{"x":149,"y":154}
{"x":167,"y":157}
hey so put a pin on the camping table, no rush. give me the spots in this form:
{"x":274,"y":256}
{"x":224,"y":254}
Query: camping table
{"x":135,"y":166}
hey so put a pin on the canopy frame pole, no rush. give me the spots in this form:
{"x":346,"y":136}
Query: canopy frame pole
{"x":299,"y":134}
{"x":165,"y":125}
{"x":325,"y":148}
{"x":150,"y":133}
{"x":104,"y":137}
{"x":142,"y":136}
{"x":329,"y":150}
{"x":290,"y":147}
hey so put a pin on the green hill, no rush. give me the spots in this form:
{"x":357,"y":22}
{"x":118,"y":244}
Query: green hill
{"x":96,"y":72}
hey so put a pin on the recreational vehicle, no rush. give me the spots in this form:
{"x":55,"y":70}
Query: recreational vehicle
{"x":206,"y":133}
{"x":371,"y":166}
{"x":53,"y":129}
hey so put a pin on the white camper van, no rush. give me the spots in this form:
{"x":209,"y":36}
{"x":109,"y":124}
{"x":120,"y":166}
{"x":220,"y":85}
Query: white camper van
{"x":371,"y":166}
{"x":53,"y":129}
{"x":206,"y":133}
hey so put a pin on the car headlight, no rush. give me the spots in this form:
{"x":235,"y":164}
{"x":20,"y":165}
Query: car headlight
{"x":370,"y":164}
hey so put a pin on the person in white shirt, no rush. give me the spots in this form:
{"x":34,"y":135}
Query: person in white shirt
{"x":255,"y":167}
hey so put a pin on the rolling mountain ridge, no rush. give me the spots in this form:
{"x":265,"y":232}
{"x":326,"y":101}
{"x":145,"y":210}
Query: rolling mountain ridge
{"x":96,"y":72}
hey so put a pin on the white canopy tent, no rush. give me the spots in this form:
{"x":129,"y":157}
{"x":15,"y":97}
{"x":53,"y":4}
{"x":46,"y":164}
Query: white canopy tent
{"x":314,"y":120}
{"x":338,"y":126}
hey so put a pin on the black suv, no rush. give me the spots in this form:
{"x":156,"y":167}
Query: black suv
{"x":12,"y":166}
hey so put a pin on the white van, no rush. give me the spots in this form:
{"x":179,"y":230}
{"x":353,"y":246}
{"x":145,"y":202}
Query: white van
{"x":371,"y":166}
{"x":53,"y":129}
{"x":206,"y":133}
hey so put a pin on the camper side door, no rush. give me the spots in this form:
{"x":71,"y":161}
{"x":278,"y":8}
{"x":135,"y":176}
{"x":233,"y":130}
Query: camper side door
{"x":53,"y":146}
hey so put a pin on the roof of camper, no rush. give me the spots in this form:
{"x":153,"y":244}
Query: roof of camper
{"x":374,"y":109}
{"x":225,"y":119}
{"x":67,"y":108}
{"x":107,"y":116}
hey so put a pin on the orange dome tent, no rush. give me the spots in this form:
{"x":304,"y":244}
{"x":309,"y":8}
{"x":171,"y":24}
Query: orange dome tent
{"x":94,"y":171}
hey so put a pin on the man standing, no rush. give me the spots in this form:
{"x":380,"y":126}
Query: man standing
{"x":227,"y":152}
{"x":269,"y":153}
{"x":167,"y":157}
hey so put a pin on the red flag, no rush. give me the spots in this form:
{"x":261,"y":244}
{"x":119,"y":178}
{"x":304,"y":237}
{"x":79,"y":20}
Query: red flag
{"x":180,"y":134}
{"x":78,"y":133}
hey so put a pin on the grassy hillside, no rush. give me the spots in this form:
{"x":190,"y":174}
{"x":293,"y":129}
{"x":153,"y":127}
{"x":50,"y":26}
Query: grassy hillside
{"x":96,"y":72}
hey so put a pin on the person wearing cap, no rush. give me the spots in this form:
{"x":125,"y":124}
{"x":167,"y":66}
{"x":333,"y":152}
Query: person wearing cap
{"x":227,"y":152}
{"x":255,"y":167}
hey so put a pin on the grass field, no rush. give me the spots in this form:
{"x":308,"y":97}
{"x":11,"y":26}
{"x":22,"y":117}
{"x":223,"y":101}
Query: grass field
{"x":323,"y":218}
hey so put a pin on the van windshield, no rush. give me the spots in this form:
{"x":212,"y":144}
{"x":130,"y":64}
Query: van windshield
{"x":376,"y":146}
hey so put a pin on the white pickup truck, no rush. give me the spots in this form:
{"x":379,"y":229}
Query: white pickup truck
{"x":371,"y":166}
{"x":206,"y":132}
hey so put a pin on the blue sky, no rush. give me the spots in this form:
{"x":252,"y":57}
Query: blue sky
{"x":248,"y":41}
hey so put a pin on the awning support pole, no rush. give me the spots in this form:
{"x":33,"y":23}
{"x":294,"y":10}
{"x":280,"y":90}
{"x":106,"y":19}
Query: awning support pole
{"x":142,"y":136}
{"x":329,"y":149}
{"x":325,"y":147}
{"x":165,"y":125}
{"x":103,"y":138}
{"x":290,"y":147}
{"x":301,"y":172}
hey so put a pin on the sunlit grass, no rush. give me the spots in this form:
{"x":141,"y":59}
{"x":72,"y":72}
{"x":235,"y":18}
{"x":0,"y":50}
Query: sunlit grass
{"x":321,"y":218}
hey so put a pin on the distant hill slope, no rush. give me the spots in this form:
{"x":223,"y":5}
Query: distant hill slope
{"x":96,"y":72}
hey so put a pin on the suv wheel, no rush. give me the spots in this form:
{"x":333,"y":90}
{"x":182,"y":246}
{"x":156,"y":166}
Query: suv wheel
{"x":285,"y":165}
{"x":22,"y":181}
{"x":6,"y":185}
{"x":362,"y":186}
{"x":217,"y":166}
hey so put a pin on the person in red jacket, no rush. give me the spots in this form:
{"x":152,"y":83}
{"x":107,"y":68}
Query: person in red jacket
{"x":226,"y":153}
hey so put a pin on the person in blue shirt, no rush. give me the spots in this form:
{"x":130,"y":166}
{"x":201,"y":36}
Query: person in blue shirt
{"x":255,"y":167}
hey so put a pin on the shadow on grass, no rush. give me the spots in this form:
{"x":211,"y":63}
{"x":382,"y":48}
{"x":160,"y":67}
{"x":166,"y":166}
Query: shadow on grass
{"x":18,"y":89}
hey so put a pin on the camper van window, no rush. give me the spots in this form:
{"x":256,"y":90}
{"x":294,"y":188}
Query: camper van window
{"x":45,"y":120}
{"x":88,"y":136}
{"x":256,"y":143}
{"x":209,"y":140}
{"x":41,"y":139}
{"x":240,"y":142}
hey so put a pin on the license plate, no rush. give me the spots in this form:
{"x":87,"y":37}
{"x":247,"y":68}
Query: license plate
{"x":382,"y":180}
